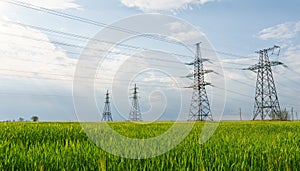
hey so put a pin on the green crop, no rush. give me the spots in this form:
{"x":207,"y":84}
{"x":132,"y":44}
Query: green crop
{"x":234,"y":146}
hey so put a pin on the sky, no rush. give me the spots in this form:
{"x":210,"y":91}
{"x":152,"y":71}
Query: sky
{"x":37,"y":68}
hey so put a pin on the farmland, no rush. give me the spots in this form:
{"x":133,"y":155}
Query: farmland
{"x":247,"y":145}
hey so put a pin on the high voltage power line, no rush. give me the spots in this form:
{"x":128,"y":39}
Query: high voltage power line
{"x":127,"y":54}
{"x":71,"y":77}
{"x":127,"y":46}
{"x":124,"y":80}
{"x":50,"y":95}
{"x":85,"y":20}
{"x":101,"y":24}
{"x":88,"y":21}
{"x":109,"y":83}
{"x":111,"y":52}
{"x":159,"y":85}
{"x":93,"y":49}
{"x":77,"y":36}
{"x":115,"y":53}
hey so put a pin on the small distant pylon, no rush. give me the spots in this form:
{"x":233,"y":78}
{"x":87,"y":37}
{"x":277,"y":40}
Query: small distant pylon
{"x":135,"y":113}
{"x":200,"y":107}
{"x":106,"y":111}
{"x":266,"y":99}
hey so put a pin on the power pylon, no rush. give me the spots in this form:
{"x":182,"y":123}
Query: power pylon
{"x":266,"y":99}
{"x":200,"y":108}
{"x":106,"y":116}
{"x":135,"y":113}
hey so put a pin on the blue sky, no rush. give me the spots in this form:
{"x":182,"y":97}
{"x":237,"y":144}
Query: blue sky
{"x":36,"y":76}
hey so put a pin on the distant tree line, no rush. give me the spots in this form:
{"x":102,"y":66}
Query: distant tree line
{"x":21,"y":119}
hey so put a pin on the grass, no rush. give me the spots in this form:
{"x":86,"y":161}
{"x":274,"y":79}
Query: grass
{"x":234,"y":146}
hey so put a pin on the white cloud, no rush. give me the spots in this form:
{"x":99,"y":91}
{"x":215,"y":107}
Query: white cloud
{"x":291,"y":56}
{"x":187,"y":35}
{"x":27,"y":52}
{"x":297,"y":27}
{"x":283,"y":31}
{"x":158,"y":5}
{"x":181,"y":32}
{"x":175,"y":26}
{"x":32,"y":68}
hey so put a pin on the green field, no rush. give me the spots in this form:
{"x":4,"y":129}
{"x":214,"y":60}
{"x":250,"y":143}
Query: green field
{"x":234,"y":146}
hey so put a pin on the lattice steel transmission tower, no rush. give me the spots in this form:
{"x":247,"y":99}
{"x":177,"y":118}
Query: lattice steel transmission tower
{"x":135,"y":113}
{"x":266,"y":99}
{"x":106,"y":116}
{"x":200,"y":107}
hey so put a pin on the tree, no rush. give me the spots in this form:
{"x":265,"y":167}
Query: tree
{"x":285,"y":115}
{"x":21,"y":119}
{"x":34,"y":118}
{"x":282,"y":115}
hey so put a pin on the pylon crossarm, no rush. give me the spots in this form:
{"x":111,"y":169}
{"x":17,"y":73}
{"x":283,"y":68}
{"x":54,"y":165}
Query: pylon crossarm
{"x":254,"y":68}
{"x":276,"y":63}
